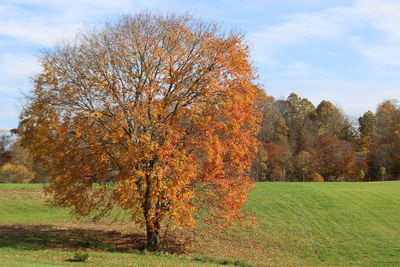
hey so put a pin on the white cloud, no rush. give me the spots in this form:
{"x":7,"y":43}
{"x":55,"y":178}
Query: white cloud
{"x":8,"y":115}
{"x":15,"y":70}
{"x":38,"y":32}
{"x":343,"y":25}
{"x":62,"y":19}
{"x":8,"y":10}
{"x":298,"y":29}
{"x":384,"y":15}
{"x":298,"y":69}
{"x":39,"y":28}
{"x":17,"y":66}
{"x":384,"y":54}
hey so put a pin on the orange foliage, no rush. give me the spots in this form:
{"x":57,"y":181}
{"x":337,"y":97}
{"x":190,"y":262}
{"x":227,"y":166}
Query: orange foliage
{"x":315,"y":177}
{"x":157,"y":112}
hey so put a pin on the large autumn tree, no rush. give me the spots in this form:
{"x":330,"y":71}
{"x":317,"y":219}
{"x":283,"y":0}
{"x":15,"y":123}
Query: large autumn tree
{"x":153,"y":114}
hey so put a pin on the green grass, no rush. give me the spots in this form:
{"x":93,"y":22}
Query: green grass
{"x":24,"y":203}
{"x":13,"y":257}
{"x":318,"y":224}
{"x":299,"y":224}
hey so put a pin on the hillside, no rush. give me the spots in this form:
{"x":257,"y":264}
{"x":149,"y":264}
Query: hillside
{"x":300,"y":224}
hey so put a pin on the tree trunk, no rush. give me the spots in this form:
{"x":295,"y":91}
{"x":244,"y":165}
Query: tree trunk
{"x":153,"y":236}
{"x":152,"y":223}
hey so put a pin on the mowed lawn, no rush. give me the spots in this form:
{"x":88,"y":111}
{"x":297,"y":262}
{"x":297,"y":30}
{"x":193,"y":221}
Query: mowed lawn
{"x":299,"y":224}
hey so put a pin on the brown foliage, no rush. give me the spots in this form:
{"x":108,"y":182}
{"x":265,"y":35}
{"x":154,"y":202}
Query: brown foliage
{"x":385,"y":141}
{"x":336,"y":158}
{"x":273,"y":160}
{"x":5,"y":153}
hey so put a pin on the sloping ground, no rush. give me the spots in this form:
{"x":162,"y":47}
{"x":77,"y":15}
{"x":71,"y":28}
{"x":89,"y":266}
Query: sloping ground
{"x":300,"y":224}
{"x":318,"y":224}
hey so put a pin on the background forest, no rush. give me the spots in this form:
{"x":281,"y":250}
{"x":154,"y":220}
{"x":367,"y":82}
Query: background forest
{"x":301,"y":142}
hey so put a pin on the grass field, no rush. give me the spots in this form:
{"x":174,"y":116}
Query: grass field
{"x":300,"y":224}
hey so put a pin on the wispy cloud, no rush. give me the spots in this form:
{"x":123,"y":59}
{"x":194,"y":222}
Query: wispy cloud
{"x":303,"y":28}
{"x":17,"y":66}
{"x":349,"y":26}
{"x":37,"y":31}
{"x":383,"y":15}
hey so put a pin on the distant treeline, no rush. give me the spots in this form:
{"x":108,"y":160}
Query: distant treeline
{"x":16,"y":163}
{"x":298,"y":142}
{"x":301,"y":142}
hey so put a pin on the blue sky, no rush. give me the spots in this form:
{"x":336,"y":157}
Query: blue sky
{"x":344,"y":51}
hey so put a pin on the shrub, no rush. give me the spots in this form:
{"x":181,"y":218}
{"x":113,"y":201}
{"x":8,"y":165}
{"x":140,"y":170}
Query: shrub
{"x":361,"y":176}
{"x":10,"y":173}
{"x":316,"y":177}
{"x":81,"y":256}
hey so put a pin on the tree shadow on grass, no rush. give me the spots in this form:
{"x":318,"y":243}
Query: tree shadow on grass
{"x":36,"y":237}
